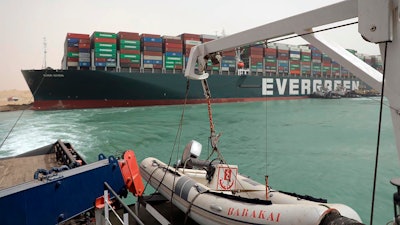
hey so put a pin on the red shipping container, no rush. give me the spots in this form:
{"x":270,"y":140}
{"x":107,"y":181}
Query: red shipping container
{"x":129,"y":51}
{"x":152,"y":53}
{"x":84,"y":45}
{"x":256,"y":51}
{"x":270,"y":51}
{"x":173,"y":41}
{"x":295,"y":72}
{"x":187,"y":36}
{"x":150,"y":35}
{"x":84,"y":41}
{"x":128,"y":35}
{"x":130,"y":65}
{"x":105,"y":40}
{"x":173,"y":45}
{"x":78,"y":36}
{"x":100,"y":59}
{"x":173,"y":50}
{"x":72,"y":49}
{"x":256,"y":59}
{"x":157,"y":66}
{"x":178,"y":67}
{"x":72,"y":59}
{"x":231,"y":52}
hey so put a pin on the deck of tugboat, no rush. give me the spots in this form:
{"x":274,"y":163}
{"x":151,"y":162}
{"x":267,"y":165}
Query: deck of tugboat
{"x":25,"y":167}
{"x":162,"y":206}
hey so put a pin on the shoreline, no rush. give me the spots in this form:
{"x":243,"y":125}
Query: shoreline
{"x":14,"y":107}
{"x":14,"y":100}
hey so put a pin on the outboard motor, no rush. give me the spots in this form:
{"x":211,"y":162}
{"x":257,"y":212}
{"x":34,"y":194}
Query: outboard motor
{"x":396,"y":201}
{"x":334,"y":218}
{"x":192,"y":150}
{"x":190,"y":156}
{"x":190,"y":159}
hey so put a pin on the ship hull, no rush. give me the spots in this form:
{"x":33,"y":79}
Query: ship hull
{"x":73,"y":89}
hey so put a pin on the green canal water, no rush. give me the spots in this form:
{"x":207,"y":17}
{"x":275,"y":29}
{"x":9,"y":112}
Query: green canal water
{"x":322,"y":148}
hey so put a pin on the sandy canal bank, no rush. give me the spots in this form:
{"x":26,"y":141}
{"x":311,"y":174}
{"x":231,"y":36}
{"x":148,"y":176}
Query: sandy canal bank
{"x":11,"y":100}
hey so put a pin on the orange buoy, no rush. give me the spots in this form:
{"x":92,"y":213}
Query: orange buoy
{"x":240,"y":64}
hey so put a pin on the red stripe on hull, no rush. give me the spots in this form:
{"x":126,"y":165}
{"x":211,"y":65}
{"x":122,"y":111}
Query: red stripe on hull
{"x":82,"y":104}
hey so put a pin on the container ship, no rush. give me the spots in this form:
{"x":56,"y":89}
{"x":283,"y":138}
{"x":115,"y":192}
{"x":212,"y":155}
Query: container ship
{"x":127,"y":69}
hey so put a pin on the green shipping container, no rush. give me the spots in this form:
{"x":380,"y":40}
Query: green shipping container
{"x":270,"y":60}
{"x":73,"y":54}
{"x":104,"y":45}
{"x":294,"y":66}
{"x":173,"y":58}
{"x":130,"y":56}
{"x":169,"y":62}
{"x":105,"y":55}
{"x":130,"y":47}
{"x":137,"y":61}
{"x":104,"y":35}
{"x":106,"y":50}
{"x":130,"y":42}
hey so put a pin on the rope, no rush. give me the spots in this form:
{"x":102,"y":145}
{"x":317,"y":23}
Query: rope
{"x":177,"y":137}
{"x":22,"y":112}
{"x":379,"y":137}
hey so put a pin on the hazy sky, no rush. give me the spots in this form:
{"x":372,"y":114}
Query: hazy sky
{"x":24,"y":24}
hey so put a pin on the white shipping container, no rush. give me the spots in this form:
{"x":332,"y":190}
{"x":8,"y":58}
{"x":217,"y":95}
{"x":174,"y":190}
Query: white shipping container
{"x":72,"y":64}
{"x":152,"y":57}
{"x":147,"y":66}
{"x":192,"y":42}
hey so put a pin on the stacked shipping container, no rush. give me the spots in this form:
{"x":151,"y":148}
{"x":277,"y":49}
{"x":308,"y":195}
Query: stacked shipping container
{"x":228,"y":62}
{"x":335,"y":69}
{"x":305,"y":61}
{"x":283,"y":59}
{"x":270,"y":59}
{"x":129,"y":50}
{"x":189,"y":41}
{"x":104,"y":50}
{"x":326,"y":65}
{"x":255,"y":54}
{"x":77,"y":51}
{"x":152,"y":51}
{"x":294,"y":56}
{"x":104,"y":45}
{"x":316,"y":59}
{"x":173,"y":53}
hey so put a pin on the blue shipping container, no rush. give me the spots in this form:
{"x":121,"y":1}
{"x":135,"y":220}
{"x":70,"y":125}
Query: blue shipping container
{"x":150,"y":39}
{"x":86,"y":64}
{"x":102,"y":64}
{"x":178,"y":54}
{"x":150,"y":61}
